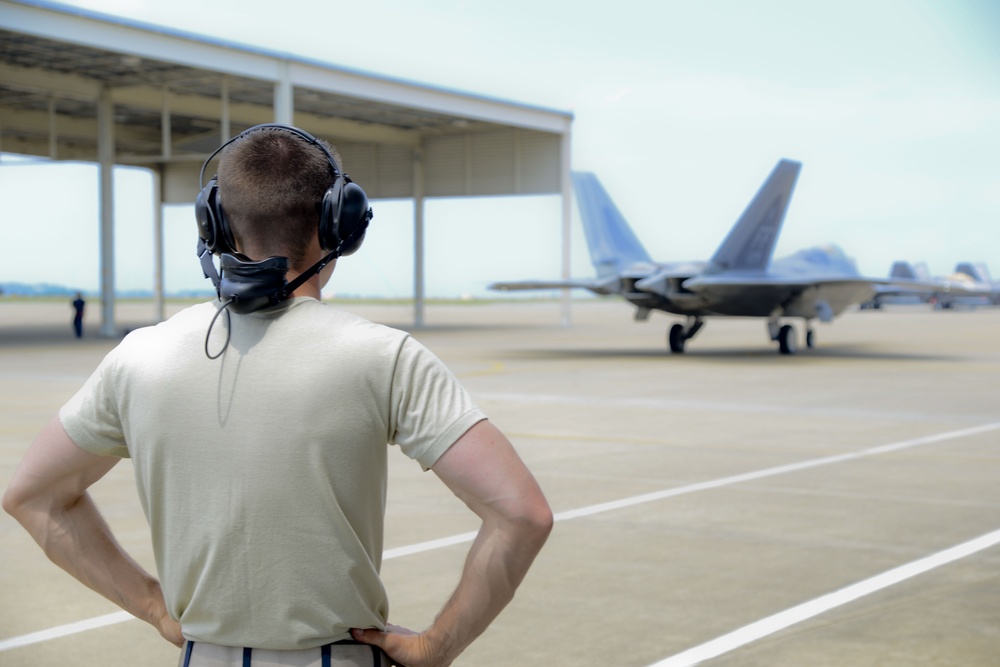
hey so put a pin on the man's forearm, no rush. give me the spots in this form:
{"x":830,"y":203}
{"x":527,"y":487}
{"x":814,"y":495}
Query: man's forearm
{"x":497,"y":563}
{"x":77,"y":539}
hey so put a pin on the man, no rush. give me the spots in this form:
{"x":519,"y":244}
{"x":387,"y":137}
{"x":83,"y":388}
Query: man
{"x":78,"y":305}
{"x":261,"y":467}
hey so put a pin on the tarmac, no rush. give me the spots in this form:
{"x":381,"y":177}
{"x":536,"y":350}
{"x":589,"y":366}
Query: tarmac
{"x":727,"y":506}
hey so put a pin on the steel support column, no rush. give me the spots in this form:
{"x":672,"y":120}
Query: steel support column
{"x":284,"y":99}
{"x":159,"y":309}
{"x":566,"y":186}
{"x":418,"y":237}
{"x":106,"y":160}
{"x":166,"y":149}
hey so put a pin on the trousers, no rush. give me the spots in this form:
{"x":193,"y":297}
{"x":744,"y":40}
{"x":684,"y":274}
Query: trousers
{"x":339,"y":654}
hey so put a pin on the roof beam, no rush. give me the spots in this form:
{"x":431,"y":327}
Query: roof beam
{"x":144,"y":97}
{"x":37,"y":80}
{"x":147,"y":97}
{"x":70,"y":128}
{"x":317,"y":76}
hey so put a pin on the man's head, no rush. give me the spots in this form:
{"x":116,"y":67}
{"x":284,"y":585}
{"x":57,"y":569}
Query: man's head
{"x":271,"y":186}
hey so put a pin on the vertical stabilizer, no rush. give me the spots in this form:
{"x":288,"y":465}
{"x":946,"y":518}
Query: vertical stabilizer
{"x":902,"y":270}
{"x":977,"y":271}
{"x":612,"y":243}
{"x":751,"y":241}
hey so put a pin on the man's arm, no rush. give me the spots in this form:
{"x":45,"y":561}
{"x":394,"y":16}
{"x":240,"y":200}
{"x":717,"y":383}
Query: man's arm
{"x":483,"y":469}
{"x":48,"y":496}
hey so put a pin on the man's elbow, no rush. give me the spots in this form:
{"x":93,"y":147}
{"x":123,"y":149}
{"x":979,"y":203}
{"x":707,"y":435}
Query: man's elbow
{"x":13,"y":502}
{"x":21,"y":500}
{"x":536,"y":520}
{"x":545,"y":524}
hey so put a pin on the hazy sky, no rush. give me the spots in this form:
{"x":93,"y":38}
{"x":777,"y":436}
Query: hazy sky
{"x":681,"y":109}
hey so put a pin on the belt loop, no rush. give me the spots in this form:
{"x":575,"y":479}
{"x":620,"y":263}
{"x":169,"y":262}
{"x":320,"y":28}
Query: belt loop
{"x":187,"y":653}
{"x":247,"y":652}
{"x":324,"y":653}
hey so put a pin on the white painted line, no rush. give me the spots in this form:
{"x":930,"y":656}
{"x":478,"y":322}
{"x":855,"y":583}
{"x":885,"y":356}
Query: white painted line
{"x":590,"y":510}
{"x":622,"y":503}
{"x":805,"y":611}
{"x":64,"y":630}
{"x":771,"y":472}
{"x":430,"y":545}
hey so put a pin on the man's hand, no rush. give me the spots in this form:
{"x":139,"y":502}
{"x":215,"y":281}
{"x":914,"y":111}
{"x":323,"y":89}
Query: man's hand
{"x":405,"y":648}
{"x":170,"y":630}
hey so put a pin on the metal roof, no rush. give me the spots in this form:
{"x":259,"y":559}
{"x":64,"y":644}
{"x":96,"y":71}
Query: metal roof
{"x":80,"y":85}
{"x":55,"y":59}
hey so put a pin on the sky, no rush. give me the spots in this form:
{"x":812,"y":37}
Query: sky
{"x":681,"y":109}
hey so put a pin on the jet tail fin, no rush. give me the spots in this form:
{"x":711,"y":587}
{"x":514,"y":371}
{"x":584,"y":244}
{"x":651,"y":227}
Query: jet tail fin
{"x":977,"y":271}
{"x":751,"y":241}
{"x":902,"y":270}
{"x":909,"y":271}
{"x":612,"y":243}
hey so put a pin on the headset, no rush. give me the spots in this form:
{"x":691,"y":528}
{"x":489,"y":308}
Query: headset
{"x":245,"y":285}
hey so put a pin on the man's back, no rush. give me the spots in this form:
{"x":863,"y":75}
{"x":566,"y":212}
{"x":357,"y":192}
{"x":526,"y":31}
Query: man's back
{"x":262,"y":472}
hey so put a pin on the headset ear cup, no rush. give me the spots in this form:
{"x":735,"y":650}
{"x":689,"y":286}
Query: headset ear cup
{"x":343,"y":217}
{"x":204,"y":215}
{"x":329,"y":237}
{"x":212,"y":224}
{"x":354,"y":217}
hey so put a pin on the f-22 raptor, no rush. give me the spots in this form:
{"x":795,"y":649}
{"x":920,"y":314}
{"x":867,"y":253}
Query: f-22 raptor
{"x":968,"y":285}
{"x":740,"y":280}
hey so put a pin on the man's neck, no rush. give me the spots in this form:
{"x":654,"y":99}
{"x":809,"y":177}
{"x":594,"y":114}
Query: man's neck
{"x":309,"y":288}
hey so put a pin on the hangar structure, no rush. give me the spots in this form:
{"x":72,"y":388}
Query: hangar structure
{"x":79,"y":85}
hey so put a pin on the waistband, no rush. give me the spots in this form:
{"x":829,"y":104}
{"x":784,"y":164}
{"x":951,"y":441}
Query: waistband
{"x":346,"y":653}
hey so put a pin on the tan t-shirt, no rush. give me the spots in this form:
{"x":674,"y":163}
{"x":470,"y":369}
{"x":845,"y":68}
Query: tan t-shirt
{"x":263,"y":473}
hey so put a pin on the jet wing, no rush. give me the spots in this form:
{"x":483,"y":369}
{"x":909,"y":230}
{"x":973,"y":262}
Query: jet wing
{"x":520,"y":285}
{"x":916,"y":287}
{"x":813,"y":296}
{"x":724,"y":283}
{"x":727,"y":283}
{"x":603,"y":286}
{"x":759,"y":295}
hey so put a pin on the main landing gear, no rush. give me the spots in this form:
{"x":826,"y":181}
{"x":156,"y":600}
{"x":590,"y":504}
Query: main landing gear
{"x":784,"y":334}
{"x":787,"y":340}
{"x":681,"y":333}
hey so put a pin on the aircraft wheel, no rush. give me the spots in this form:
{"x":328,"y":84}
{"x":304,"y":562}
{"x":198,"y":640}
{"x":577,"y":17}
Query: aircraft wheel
{"x":676,"y":338}
{"x":810,"y":339}
{"x":786,"y":340}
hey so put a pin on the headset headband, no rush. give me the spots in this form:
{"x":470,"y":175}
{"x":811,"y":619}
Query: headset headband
{"x":337,"y":172}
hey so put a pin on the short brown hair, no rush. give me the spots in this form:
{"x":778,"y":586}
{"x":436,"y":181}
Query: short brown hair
{"x":271,"y":187}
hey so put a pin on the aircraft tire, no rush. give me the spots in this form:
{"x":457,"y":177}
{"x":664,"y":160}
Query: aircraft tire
{"x":676,"y":338}
{"x":786,"y":340}
{"x":810,"y":339}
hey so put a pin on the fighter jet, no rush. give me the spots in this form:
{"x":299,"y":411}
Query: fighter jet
{"x":968,"y":285}
{"x":982,"y":283}
{"x":740,"y":280}
{"x":906,"y":271}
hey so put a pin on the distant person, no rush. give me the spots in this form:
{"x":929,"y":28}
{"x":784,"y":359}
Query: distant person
{"x":78,"y":305}
{"x":263,"y":473}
